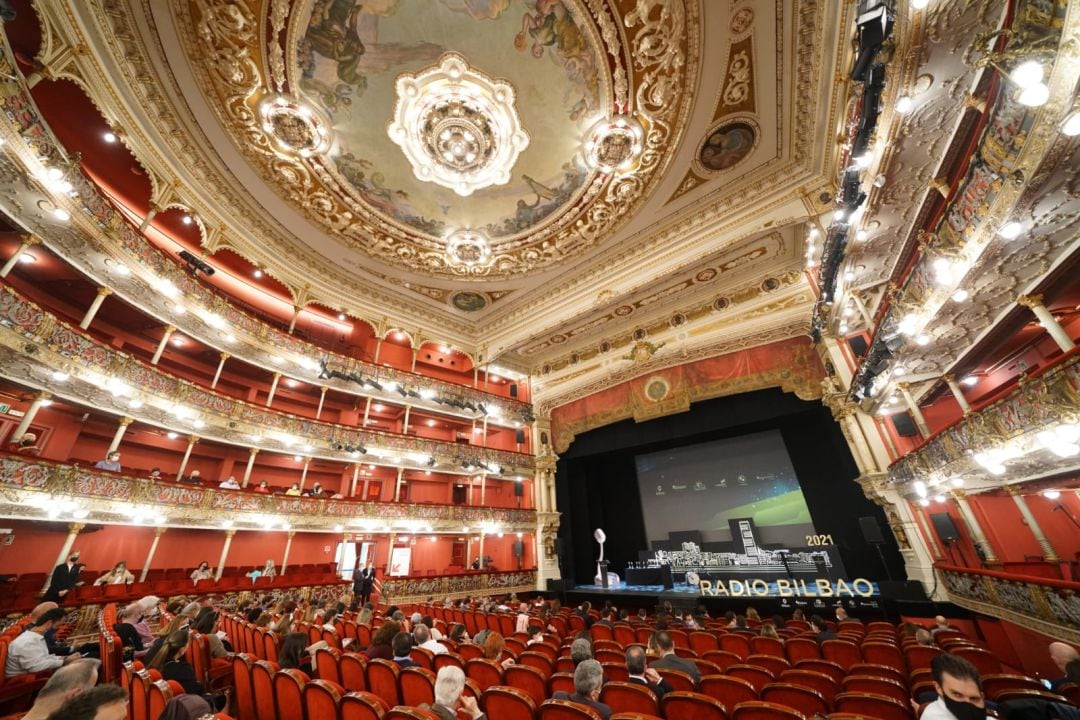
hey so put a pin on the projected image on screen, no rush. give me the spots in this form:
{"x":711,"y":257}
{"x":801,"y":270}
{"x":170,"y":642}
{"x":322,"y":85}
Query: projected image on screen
{"x":701,"y":487}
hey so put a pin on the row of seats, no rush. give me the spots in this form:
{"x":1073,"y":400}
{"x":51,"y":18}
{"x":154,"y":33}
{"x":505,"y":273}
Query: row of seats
{"x":21,"y":687}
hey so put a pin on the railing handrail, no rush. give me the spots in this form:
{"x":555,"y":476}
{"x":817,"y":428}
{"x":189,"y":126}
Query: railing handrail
{"x":1033,"y":579}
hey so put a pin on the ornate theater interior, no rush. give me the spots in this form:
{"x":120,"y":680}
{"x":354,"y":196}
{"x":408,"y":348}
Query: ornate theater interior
{"x":445,"y":286}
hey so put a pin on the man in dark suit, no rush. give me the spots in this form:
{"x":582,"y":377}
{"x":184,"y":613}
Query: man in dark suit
{"x":65,"y":577}
{"x":817,"y":624}
{"x":642,"y":675}
{"x":364,"y":583}
{"x":588,"y":679}
{"x":583,"y":613}
{"x":665,"y":648}
{"x":403,"y":645}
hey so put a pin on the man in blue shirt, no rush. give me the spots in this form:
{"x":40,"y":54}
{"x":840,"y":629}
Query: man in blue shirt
{"x":111,"y":462}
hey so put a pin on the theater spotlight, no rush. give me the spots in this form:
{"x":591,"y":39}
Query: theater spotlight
{"x":875,"y":23}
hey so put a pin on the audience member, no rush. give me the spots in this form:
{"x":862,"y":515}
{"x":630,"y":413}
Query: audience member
{"x":642,"y":616}
{"x":29,"y":652}
{"x":752,"y":614}
{"x":111,"y":462}
{"x":778,"y":621}
{"x":207,"y":624}
{"x":193,"y":478}
{"x":148,"y":609}
{"x":458,"y":633}
{"x":940,"y":623}
{"x":125,"y":628}
{"x":1062,"y":654}
{"x":769,"y":631}
{"x":229,"y":483}
{"x":382,"y":641}
{"x":119,"y":575}
{"x":186,"y":707}
{"x":294,"y":491}
{"x":536,"y":635}
{"x":422,"y":637}
{"x":26,"y":445}
{"x":64,"y":684}
{"x":798,"y":614}
{"x":959,"y":689}
{"x":315,"y":491}
{"x":668,"y":660}
{"x":178,"y":622}
{"x":104,"y":702}
{"x":493,"y":646}
{"x":403,"y":645}
{"x":449,"y":685}
{"x":294,"y":653}
{"x":432,"y":630}
{"x":643,"y":675}
{"x":580,"y":651}
{"x":65,"y":577}
{"x":522,"y":623}
{"x":821,"y":630}
{"x":740,"y":622}
{"x":262,"y":487}
{"x":203,"y":572}
{"x":729,"y":619}
{"x":583,"y":613}
{"x":269,"y":570}
{"x":155,"y":474}
{"x":924,"y":637}
{"x":588,"y":679}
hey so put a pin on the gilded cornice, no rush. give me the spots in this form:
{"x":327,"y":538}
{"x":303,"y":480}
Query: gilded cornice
{"x":27,"y":483}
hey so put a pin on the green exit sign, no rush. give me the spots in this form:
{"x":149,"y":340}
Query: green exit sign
{"x":5,"y":408}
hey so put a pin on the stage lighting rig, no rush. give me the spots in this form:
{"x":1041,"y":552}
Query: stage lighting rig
{"x":195,"y":265}
{"x":875,"y":21}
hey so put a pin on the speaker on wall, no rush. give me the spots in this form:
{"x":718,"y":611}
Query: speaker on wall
{"x":944,"y":526}
{"x":519,"y":437}
{"x":513,"y":390}
{"x":871,"y":531}
{"x":905,"y":426}
{"x":519,"y":549}
{"x":858,"y":345}
{"x":519,"y":489}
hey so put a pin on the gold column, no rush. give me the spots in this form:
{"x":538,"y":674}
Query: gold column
{"x":169,"y":330}
{"x":221,"y":366}
{"x":355,"y":478}
{"x":958,"y":394}
{"x":224,"y":553}
{"x":119,"y":435}
{"x":916,"y":411}
{"x":483,"y":488}
{"x":288,"y":547}
{"x":158,"y":532}
{"x":405,"y":425}
{"x":192,"y":439}
{"x":91,"y":312}
{"x":252,"y":452}
{"x":273,"y":388}
{"x":295,"y":317}
{"x":1048,"y":550}
{"x":397,"y":485}
{"x":322,"y":399}
{"x":367,"y":410}
{"x":1047,"y":320}
{"x":303,"y":472}
{"x":973,"y":525}
{"x":27,"y":242}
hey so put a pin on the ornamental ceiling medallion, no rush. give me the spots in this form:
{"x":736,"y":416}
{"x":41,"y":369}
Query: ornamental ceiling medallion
{"x":395,"y":124}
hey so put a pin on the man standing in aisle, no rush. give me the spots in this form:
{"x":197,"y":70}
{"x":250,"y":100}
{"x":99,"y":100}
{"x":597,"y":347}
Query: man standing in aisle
{"x":65,"y":577}
{"x":366,"y":582}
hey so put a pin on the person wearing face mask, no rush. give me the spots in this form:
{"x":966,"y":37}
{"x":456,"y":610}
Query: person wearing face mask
{"x":959,"y":689}
{"x":65,"y":577}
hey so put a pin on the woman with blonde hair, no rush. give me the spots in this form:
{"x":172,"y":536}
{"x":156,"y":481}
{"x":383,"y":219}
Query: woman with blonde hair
{"x":119,"y":575}
{"x":769,"y":631}
{"x":269,"y":570}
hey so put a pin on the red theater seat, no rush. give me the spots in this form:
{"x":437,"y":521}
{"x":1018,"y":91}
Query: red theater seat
{"x":327,"y":665}
{"x":758,"y":710}
{"x":362,"y":706}
{"x":243,"y":690}
{"x":876,"y":706}
{"x":353,"y":671}
{"x":875,"y":686}
{"x":842,"y":652}
{"x":772,"y":663}
{"x":629,"y":697}
{"x":737,"y":644}
{"x":819,"y":682}
{"x":796,"y":697}
{"x":417,"y":686}
{"x":756,"y":676}
{"x":703,"y":642}
{"x":382,"y":680}
{"x":995,"y":684}
{"x":407,"y":713}
{"x":289,"y":692}
{"x":484,"y":673}
{"x":322,"y":700}
{"x":262,"y":686}
{"x":561,"y":682}
{"x":730,"y":691}
{"x":507,"y":703}
{"x":985,"y":662}
{"x":527,"y":679}
{"x":798,"y":649}
{"x":823,"y":666}
{"x":565,"y":710}
{"x":692,"y":706}
{"x":883,"y":654}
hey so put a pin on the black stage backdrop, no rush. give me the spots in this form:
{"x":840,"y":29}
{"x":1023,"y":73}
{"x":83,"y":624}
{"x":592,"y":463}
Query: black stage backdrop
{"x":596,"y":480}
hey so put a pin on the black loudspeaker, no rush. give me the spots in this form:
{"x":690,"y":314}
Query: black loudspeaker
{"x":871,"y":531}
{"x":556,"y":586}
{"x":519,"y":437}
{"x":944,"y":526}
{"x":858,"y":345}
{"x":519,"y":489}
{"x":519,"y":549}
{"x":905,"y":426}
{"x":513,"y":390}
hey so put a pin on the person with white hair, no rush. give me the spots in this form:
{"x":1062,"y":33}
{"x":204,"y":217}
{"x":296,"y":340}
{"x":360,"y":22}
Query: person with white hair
{"x":423,"y":639}
{"x":522,"y":624}
{"x":449,"y":684}
{"x":588,"y":680}
{"x":64,"y":684}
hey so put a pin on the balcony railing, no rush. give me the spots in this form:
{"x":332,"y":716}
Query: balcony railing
{"x":1048,"y":606}
{"x":69,"y":492}
{"x":105,"y":377}
{"x":420,"y":588}
{"x":1003,"y":435}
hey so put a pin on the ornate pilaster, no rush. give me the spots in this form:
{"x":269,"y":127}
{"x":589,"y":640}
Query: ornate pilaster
{"x":1021,"y":503}
{"x":973,"y":525}
{"x":1047,"y":320}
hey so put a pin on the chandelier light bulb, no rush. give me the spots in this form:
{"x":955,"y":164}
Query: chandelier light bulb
{"x":1071,"y":126}
{"x":1011,"y":230}
{"x":1034,"y":96}
{"x":960,"y":295}
{"x":919,"y":4}
{"x":1027,"y":74}
{"x":904,"y":105}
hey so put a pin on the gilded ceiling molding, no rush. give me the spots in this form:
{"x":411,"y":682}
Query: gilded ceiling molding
{"x":791,"y":365}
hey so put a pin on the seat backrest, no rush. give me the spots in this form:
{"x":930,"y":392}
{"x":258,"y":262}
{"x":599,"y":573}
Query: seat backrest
{"x":402,"y":712}
{"x":289,"y":693}
{"x":362,"y":706}
{"x":262,"y":687}
{"x":756,"y":676}
{"x":877,"y":706}
{"x":819,"y":682}
{"x":327,"y":665}
{"x":842,"y":652}
{"x":994,"y":684}
{"x":798,"y":649}
{"x":509,"y":703}
{"x":737,"y":644}
{"x":692,"y":706}
{"x":322,"y":699}
{"x":382,"y":680}
{"x":702,"y":642}
{"x":561,"y":682}
{"x":527,"y":679}
{"x":796,"y":697}
{"x":537,"y":660}
{"x":417,"y":686}
{"x":823,"y":666}
{"x":446,"y":659}
{"x":759,"y":710}
{"x":484,"y":672}
{"x":881,"y":653}
{"x":985,"y":662}
{"x":772,"y":663}
{"x":678,"y":679}
{"x":565,"y":710}
{"x":422,"y":657}
{"x":730,"y":691}
{"x":762,"y":645}
{"x":875,"y":686}
{"x":159,"y":694}
{"x":629,"y":697}
{"x":139,"y":696}
{"x":243,"y":691}
{"x":352,"y":669}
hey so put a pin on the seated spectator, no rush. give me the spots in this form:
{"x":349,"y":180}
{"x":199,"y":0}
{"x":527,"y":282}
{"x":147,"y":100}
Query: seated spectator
{"x":449,"y":685}
{"x":187,"y":707}
{"x":203,"y":572}
{"x":522,"y":622}
{"x":29,"y":652}
{"x":908,"y":629}
{"x":147,"y":608}
{"x":536,"y":635}
{"x":729,"y":619}
{"x":778,"y":622}
{"x":119,"y":575}
{"x":959,"y":689}
{"x":207,"y":624}
{"x":821,"y":630}
{"x":104,"y":702}
{"x":315,"y":491}
{"x":172,"y":662}
{"x":434,"y":631}
{"x":111,"y":462}
{"x":588,"y":679}
{"x":668,"y":660}
{"x":155,"y":474}
{"x":382,"y":641}
{"x":229,"y":483}
{"x":752,"y":614}
{"x":642,"y":616}
{"x":56,"y":647}
{"x":580,"y":651}
{"x":925,"y":637}
{"x":583,"y":613}
{"x":403,"y":645}
{"x":193,"y":478}
{"x":1062,"y":654}
{"x":26,"y":445}
{"x":262,"y":487}
{"x":178,"y":622}
{"x":798,"y":614}
{"x":458,"y":633}
{"x":269,"y":570}
{"x":64,"y":684}
{"x":493,"y":648}
{"x":294,"y":491}
{"x":940,"y":623}
{"x":770,"y":632}
{"x":422,"y":638}
{"x":842,"y":616}
{"x":294,"y":653}
{"x":125,"y":628}
{"x":643,"y":675}
{"x":367,"y":615}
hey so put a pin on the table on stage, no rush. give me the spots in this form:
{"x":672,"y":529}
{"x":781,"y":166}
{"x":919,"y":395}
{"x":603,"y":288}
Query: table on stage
{"x":650,"y":576}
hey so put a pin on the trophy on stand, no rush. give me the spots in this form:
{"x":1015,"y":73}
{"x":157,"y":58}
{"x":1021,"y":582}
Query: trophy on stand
{"x":603,"y":577}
